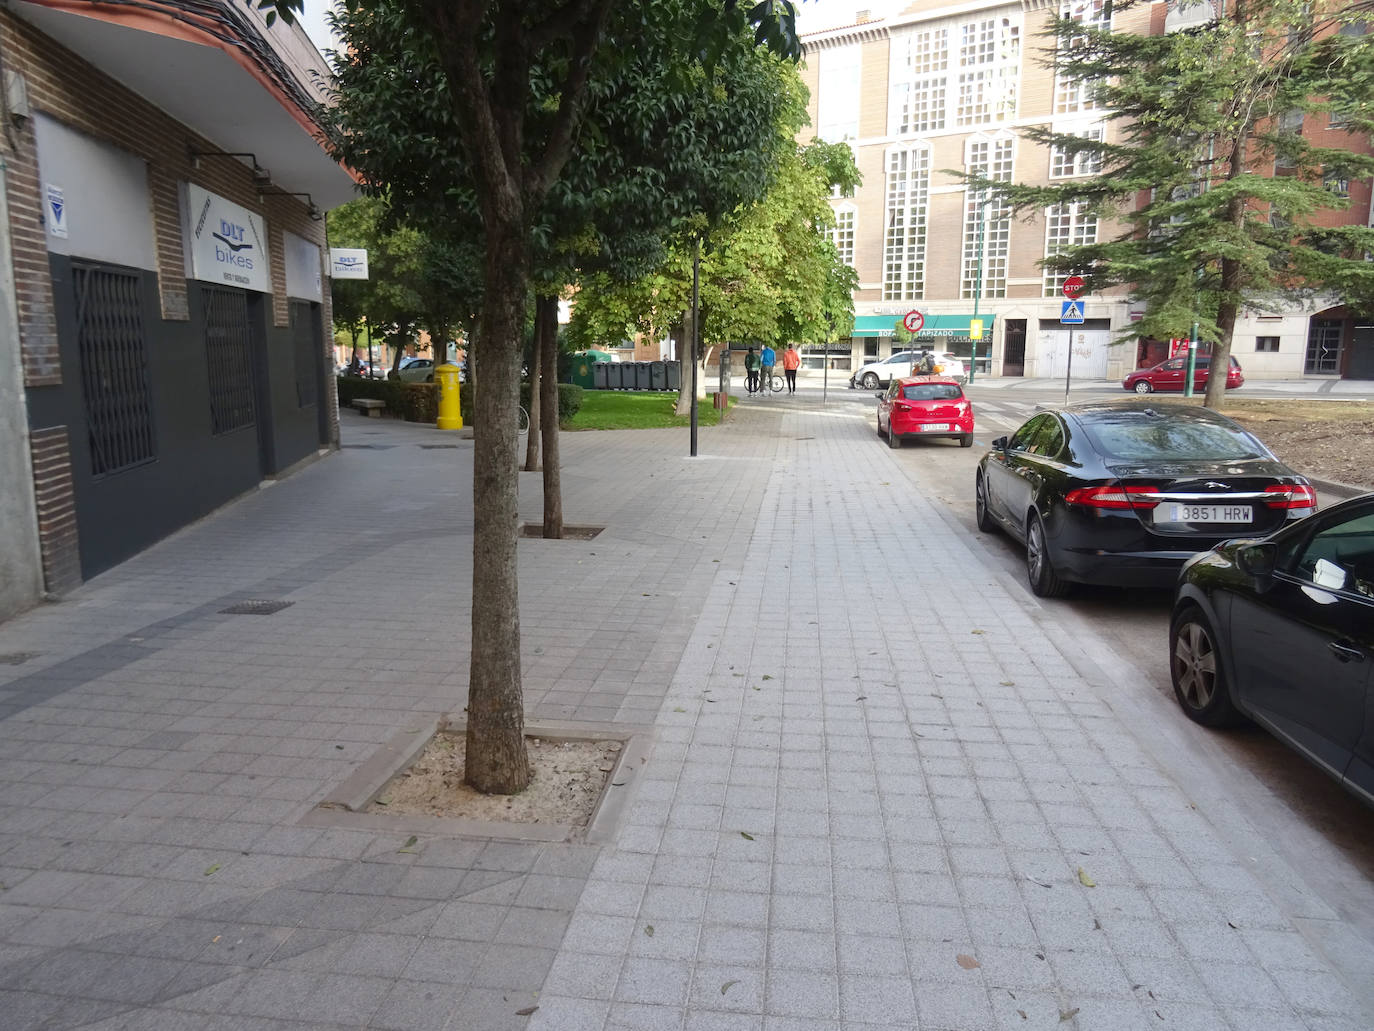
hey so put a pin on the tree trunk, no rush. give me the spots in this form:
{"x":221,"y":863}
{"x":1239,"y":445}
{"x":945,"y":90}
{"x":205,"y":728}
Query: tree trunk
{"x":686,"y":355}
{"x":1229,"y":307}
{"x":536,"y":385}
{"x":546,"y":322}
{"x":497,"y":762}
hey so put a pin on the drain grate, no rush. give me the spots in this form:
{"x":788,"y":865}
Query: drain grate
{"x":440,"y":447}
{"x":368,"y":447}
{"x":18,"y":658}
{"x":256,"y":608}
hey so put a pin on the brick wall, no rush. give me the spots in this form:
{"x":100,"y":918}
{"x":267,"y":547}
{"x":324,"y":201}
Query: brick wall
{"x":52,"y":482}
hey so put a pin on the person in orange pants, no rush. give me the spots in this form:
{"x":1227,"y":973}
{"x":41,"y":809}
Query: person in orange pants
{"x":790,"y":360}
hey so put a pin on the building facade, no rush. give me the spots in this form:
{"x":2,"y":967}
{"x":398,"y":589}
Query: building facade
{"x":164,"y":185}
{"x":945,"y":87}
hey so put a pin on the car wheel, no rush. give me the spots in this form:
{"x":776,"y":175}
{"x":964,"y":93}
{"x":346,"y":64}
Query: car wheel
{"x":1143,"y":386}
{"x":1044,"y":581}
{"x":870,"y":381}
{"x":980,"y":505}
{"x":1197,"y":672}
{"x":966,"y":440}
{"x":893,"y":441}
{"x":429,"y":378}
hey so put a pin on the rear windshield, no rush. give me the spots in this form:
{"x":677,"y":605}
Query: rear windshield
{"x":1136,"y":437}
{"x":932,"y":392}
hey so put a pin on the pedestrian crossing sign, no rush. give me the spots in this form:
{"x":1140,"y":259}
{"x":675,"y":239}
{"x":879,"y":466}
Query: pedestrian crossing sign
{"x":1072,"y":313}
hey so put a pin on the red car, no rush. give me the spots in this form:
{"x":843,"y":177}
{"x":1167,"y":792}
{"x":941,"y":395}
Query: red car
{"x":924,"y":406}
{"x":1171,"y":374}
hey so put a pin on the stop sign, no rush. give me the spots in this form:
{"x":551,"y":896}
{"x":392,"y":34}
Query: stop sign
{"x":1073,"y":286}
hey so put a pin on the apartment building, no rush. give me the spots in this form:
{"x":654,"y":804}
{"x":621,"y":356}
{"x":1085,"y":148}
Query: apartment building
{"x":944,"y":87}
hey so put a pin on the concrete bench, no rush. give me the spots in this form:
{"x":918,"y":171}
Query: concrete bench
{"x":369,"y":406}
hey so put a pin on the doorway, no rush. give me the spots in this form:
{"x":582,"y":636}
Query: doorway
{"x":1014,"y":348}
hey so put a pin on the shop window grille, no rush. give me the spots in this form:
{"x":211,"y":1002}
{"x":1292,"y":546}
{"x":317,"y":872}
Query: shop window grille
{"x":306,"y":348}
{"x":114,"y":369}
{"x":228,"y":348}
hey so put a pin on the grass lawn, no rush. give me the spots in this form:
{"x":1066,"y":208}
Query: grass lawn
{"x":622,"y":410}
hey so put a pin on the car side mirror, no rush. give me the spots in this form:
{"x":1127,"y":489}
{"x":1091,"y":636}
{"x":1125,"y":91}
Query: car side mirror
{"x":1000,"y":443}
{"x":1257,"y":559}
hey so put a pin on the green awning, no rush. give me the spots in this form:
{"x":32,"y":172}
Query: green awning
{"x":936,"y":326}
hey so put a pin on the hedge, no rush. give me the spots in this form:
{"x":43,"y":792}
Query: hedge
{"x":419,"y":402}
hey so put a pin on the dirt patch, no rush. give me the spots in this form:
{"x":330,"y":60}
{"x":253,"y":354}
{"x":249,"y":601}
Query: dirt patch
{"x":567,"y":778}
{"x":570,"y":532}
{"x":1330,"y":440}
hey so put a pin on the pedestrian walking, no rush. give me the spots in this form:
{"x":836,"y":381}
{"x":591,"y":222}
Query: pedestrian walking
{"x":751,"y":371}
{"x":790,"y":361}
{"x":768,"y":358}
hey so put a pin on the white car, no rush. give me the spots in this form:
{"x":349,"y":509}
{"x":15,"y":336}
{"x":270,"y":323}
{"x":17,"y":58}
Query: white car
{"x":879,"y":374}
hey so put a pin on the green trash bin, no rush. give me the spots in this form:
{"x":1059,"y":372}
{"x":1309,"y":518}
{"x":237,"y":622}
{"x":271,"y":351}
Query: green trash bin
{"x":580,"y":372}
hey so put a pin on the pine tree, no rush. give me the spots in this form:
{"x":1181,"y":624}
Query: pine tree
{"x":1218,"y":193}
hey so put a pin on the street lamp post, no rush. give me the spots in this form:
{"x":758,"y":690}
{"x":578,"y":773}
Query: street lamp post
{"x":978,"y":284}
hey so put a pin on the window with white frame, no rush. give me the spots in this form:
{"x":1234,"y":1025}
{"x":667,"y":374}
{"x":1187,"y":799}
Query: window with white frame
{"x":837,"y":107}
{"x":842,"y":236}
{"x":987,"y":226}
{"x":1071,"y":96}
{"x":1066,"y":225}
{"x":904,"y":235}
{"x":1064,"y":165}
{"x":954,"y":72}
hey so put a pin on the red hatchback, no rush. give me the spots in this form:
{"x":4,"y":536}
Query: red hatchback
{"x":924,"y":406}
{"x":1171,"y":374}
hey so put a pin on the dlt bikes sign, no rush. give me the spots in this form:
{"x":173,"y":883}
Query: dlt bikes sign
{"x":228,"y":242}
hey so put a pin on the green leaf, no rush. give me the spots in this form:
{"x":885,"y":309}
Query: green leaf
{"x":211,"y":869}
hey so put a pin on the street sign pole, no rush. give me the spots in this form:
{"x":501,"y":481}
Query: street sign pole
{"x":1192,"y":363}
{"x":1073,"y":286}
{"x":695,"y":342}
{"x":978,"y":287}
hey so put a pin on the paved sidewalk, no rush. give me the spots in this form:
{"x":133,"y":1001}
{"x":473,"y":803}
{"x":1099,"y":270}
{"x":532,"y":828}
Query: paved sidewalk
{"x":877,"y":774}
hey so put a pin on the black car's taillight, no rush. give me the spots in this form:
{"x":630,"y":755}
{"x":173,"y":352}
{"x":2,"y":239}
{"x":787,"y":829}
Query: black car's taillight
{"x":1290,"y":495}
{"x":1113,"y":495}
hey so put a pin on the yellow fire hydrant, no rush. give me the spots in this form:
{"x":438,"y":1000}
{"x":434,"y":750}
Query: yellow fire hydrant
{"x":450,"y":412}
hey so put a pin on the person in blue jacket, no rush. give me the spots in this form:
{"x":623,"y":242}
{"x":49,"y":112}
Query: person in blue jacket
{"x":767,"y":359}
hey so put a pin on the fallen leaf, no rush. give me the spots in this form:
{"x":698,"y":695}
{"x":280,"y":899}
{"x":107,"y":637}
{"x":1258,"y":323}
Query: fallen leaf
{"x":861,"y":698}
{"x":406,"y":847}
{"x":1085,"y":880}
{"x":1232,"y":926}
{"x":211,"y":869}
{"x":1067,"y":1014}
{"x":384,"y":800}
{"x":216,"y":938}
{"x":1008,"y":683}
{"x":526,"y":1011}
{"x":339,"y":747}
{"x":967,"y":962}
{"x":727,"y":986}
{"x":1036,"y":880}
{"x":1022,"y":1014}
{"x":765,"y":677}
{"x":1097,"y":925}
{"x":757,"y":688}
{"x":746,"y":835}
{"x":648,"y":930}
{"x":978,"y":631}
{"x":679,"y":708}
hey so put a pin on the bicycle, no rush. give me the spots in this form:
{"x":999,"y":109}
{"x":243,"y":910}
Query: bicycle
{"x":770,"y":384}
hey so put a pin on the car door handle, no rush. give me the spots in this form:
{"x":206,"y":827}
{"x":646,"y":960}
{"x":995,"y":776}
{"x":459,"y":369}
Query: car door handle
{"x":1345,"y":653}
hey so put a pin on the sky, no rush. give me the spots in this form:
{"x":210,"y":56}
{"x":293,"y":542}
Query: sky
{"x":812,"y":15}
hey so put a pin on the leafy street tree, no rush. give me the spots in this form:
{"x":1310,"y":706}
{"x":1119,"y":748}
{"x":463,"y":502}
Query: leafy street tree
{"x":770,"y":275}
{"x":516,"y":77}
{"x":1206,"y":114}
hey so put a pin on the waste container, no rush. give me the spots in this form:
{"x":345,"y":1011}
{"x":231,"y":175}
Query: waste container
{"x":450,"y":412}
{"x":674,"y":375}
{"x":658,"y":376}
{"x":615,"y":375}
{"x":580,"y":372}
{"x":642,"y":380}
{"x":599,"y":375}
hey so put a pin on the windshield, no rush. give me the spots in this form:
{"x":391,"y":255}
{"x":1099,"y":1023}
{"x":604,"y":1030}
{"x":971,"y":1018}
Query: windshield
{"x":932,"y":392}
{"x":1142,"y":437}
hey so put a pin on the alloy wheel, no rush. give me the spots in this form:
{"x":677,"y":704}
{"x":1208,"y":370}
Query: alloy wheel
{"x":1195,"y":664}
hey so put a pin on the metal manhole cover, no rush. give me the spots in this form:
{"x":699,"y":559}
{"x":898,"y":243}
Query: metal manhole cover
{"x":18,"y":658}
{"x":256,"y":608}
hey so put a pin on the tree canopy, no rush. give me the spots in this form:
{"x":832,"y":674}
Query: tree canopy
{"x":1216,"y":181}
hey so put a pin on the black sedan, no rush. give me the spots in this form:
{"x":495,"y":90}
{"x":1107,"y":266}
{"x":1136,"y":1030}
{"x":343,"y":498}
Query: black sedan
{"x":1124,"y":492}
{"x":1282,"y":630}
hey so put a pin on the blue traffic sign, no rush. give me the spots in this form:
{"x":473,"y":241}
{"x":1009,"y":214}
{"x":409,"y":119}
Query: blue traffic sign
{"x":1072,"y":313}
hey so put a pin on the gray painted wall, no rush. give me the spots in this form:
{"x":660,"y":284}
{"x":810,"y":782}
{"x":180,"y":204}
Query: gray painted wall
{"x":21,"y":569}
